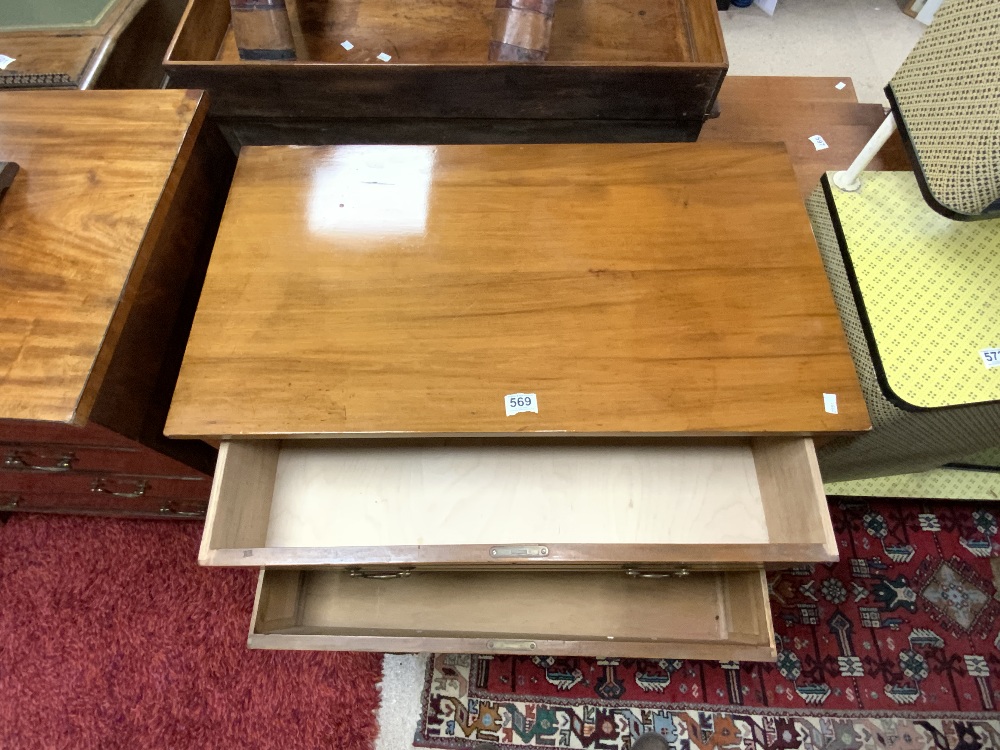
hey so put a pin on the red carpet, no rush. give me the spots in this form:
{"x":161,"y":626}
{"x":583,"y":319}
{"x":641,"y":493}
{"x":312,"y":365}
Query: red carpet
{"x":112,"y":637}
{"x":893,"y":648}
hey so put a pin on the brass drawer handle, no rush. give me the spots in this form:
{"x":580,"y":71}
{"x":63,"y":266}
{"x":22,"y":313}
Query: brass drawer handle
{"x":166,"y":510}
{"x":17,"y":460}
{"x":11,"y":503}
{"x":636,"y":573}
{"x":512,"y":551}
{"x":140,"y":489}
{"x":379,"y":576}
{"x":511,"y":645}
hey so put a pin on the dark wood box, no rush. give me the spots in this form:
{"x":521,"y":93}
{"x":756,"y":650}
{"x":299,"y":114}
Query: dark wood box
{"x":617,"y":70}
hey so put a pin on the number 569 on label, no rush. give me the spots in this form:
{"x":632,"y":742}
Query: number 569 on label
{"x":515,"y":403}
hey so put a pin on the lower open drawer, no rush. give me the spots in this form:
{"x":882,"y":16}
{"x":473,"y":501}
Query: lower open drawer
{"x":722,"y":616}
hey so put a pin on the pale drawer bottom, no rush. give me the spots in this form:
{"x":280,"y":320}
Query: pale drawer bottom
{"x":722,"y":616}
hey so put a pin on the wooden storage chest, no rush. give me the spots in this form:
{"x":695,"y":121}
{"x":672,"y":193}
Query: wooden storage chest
{"x":616,"y":70}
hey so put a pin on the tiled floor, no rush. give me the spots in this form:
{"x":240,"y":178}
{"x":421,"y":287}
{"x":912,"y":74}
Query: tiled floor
{"x":865,"y":40}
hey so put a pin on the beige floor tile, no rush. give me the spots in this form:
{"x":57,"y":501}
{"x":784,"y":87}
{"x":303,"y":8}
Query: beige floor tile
{"x":863,"y":39}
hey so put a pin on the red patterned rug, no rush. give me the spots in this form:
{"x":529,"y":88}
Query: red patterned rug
{"x":111,"y":636}
{"x":894,"y":647}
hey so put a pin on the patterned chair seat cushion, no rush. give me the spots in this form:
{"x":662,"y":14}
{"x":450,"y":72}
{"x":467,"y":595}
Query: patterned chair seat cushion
{"x":946,"y":98}
{"x":919,"y":297}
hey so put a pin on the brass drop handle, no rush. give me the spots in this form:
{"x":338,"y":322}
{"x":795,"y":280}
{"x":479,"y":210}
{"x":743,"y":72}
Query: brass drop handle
{"x":11,"y":503}
{"x":166,"y":510}
{"x":16,"y":460}
{"x":379,"y":576}
{"x":140,"y":489}
{"x":636,"y":573}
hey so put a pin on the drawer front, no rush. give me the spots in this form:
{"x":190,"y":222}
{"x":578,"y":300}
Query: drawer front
{"x":722,"y":616}
{"x":102,"y":485}
{"x":670,"y":504}
{"x":92,"y":504}
{"x":19,"y":431}
{"x":62,"y":459}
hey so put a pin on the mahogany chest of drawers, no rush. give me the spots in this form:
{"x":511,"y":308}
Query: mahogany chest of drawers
{"x":105,"y":233}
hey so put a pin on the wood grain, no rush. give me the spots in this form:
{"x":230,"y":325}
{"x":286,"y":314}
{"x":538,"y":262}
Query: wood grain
{"x":459,"y":31}
{"x":790,"y":110}
{"x":788,"y":469}
{"x":611,"y":59}
{"x":341,"y":496}
{"x":719,"y":616}
{"x":74,"y":229}
{"x":239,"y":507}
{"x":60,"y":58}
{"x":262,"y":29}
{"x":405,"y":290}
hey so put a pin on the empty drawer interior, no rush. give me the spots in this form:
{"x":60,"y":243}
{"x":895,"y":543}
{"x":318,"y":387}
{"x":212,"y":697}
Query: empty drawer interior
{"x":704,"y":615}
{"x":359,"y":502}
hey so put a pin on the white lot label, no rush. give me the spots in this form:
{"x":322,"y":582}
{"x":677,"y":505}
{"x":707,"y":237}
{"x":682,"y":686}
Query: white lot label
{"x":841,"y":86}
{"x":5,"y":61}
{"x":818,"y":142}
{"x":347,"y":45}
{"x":384,"y":57}
{"x":830,"y":403}
{"x":515,"y":403}
{"x":991,"y":357}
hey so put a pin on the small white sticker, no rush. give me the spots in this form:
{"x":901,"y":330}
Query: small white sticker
{"x":830,"y":403}
{"x":384,"y":57}
{"x":841,"y":86}
{"x":818,"y":142}
{"x":5,"y":61}
{"x":515,"y":403}
{"x":347,"y":45}
{"x":991,"y":357}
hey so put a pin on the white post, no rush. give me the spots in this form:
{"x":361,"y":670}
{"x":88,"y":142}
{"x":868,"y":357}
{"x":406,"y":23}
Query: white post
{"x":850,"y":179}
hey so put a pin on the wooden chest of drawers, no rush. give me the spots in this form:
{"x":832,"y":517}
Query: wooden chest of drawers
{"x":371,"y":313}
{"x":615,"y":70}
{"x":105,"y":235}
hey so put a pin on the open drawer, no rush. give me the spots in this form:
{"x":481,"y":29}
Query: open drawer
{"x":659,"y":505}
{"x":722,"y":616}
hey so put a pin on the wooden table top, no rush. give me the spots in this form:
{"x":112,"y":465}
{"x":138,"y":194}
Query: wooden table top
{"x":92,"y":168}
{"x":784,"y":109}
{"x":642,"y":289}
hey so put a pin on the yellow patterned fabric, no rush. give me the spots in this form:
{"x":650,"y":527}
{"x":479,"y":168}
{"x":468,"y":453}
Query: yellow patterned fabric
{"x":947,"y":96}
{"x":900,"y":441}
{"x":939,"y":484}
{"x":929,"y":288}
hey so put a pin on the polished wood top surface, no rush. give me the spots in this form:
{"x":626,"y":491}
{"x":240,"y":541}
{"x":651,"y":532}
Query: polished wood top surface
{"x":780,"y":109}
{"x":458,"y":31}
{"x":654,"y":289}
{"x":92,"y":168}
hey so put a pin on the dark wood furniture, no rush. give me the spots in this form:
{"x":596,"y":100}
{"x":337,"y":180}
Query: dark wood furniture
{"x":119,"y":45}
{"x":106,"y":231}
{"x":615,"y":70}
